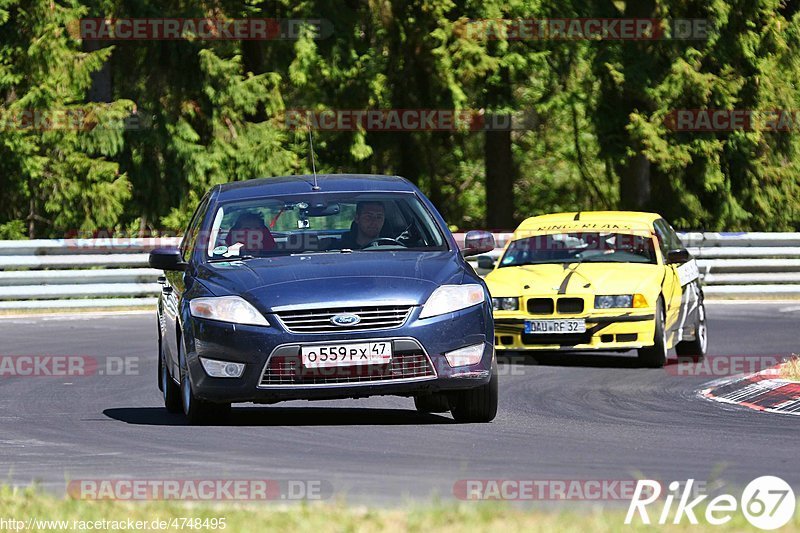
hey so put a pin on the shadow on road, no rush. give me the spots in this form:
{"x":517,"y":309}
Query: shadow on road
{"x":286,"y":416}
{"x":591,"y":360}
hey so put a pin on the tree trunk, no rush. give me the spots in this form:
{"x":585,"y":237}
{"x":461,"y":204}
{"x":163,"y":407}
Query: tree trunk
{"x":101,"y":89}
{"x":635,"y":183}
{"x":498,"y":161}
{"x":500,"y":177}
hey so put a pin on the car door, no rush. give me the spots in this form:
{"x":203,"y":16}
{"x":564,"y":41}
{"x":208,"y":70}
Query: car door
{"x":689,"y":283}
{"x":174,"y":286}
{"x":671,"y":285}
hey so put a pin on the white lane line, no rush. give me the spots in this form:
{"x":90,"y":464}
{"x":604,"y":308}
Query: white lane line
{"x":72,"y":316}
{"x":711,"y":301}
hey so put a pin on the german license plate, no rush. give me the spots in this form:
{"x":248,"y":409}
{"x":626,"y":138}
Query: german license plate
{"x":542,"y":327}
{"x":351,"y":354}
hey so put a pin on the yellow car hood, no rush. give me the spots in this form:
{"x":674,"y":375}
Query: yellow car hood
{"x":574,"y":278}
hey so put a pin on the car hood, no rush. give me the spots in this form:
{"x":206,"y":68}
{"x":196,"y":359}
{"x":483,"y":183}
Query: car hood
{"x":334,"y":280}
{"x":576,"y":279}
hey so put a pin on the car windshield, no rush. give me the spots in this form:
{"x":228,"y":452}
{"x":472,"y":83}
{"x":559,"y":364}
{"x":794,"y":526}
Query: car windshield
{"x":322,"y":222}
{"x":583,"y":247}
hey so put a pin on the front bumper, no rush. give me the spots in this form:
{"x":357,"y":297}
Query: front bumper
{"x":256,"y":346}
{"x":620,"y":329}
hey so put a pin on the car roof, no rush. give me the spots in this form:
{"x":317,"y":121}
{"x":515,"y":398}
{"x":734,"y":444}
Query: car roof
{"x":303,"y":184}
{"x":585,"y":219}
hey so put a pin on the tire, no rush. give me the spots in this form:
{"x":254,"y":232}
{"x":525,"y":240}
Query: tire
{"x":200,"y":412}
{"x":478,"y":404}
{"x":432,"y":403}
{"x":170,"y":390}
{"x":656,"y":356}
{"x":696,"y":349}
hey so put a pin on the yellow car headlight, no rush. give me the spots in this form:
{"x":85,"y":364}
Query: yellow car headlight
{"x":505,"y":304}
{"x":620,"y":300}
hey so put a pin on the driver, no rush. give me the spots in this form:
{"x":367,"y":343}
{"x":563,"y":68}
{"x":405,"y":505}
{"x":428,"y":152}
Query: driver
{"x":366,"y":227}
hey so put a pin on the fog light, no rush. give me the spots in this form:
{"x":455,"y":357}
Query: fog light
{"x":222,"y":369}
{"x":469,"y":355}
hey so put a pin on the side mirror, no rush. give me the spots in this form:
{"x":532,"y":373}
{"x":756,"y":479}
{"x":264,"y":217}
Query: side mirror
{"x":167,"y":259}
{"x":678,"y":256}
{"x":477,"y":242}
{"x":485,"y":262}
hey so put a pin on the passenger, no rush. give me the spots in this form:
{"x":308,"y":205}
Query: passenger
{"x":250,"y":230}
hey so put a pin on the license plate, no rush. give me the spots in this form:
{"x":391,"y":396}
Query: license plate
{"x":538,"y":327}
{"x":364,"y":353}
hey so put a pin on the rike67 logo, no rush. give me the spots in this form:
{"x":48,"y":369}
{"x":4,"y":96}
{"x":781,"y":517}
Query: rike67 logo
{"x":768,"y":502}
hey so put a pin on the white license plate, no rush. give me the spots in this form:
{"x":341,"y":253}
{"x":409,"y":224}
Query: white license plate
{"x":555,"y":326}
{"x":364,"y":353}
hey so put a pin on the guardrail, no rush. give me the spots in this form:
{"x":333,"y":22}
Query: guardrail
{"x":79,"y":273}
{"x":95,"y":273}
{"x":735,"y":265}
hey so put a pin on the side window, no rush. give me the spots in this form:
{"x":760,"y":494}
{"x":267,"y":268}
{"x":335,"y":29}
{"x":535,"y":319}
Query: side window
{"x":675,"y":242}
{"x":192,"y":232}
{"x":662,"y":236}
{"x":667,"y":236}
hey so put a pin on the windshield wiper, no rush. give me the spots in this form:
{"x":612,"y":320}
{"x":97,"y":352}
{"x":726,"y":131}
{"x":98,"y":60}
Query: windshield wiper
{"x":331,"y":251}
{"x":231,"y":259}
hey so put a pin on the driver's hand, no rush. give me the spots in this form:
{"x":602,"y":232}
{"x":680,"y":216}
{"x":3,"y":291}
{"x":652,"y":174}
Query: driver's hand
{"x":408,"y":237}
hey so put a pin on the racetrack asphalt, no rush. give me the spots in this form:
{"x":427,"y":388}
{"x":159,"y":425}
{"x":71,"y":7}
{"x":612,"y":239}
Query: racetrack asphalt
{"x":561,"y":416}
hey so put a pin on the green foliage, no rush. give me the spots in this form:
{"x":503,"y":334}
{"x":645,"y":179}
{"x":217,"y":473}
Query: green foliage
{"x":592,"y":117}
{"x":56,"y":167}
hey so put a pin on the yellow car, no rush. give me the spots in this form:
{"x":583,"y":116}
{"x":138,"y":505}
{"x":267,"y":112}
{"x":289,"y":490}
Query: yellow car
{"x":602,"y":280}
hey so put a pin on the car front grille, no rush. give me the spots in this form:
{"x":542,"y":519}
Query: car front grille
{"x":409,"y":362}
{"x":319,"y":320}
{"x":570,"y":305}
{"x":547,"y":306}
{"x":540,"y":306}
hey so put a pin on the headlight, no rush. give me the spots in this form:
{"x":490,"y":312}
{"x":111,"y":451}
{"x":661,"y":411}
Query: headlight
{"x":505,"y":304}
{"x":449,"y":298}
{"x":620,"y":300}
{"x":227,"y":309}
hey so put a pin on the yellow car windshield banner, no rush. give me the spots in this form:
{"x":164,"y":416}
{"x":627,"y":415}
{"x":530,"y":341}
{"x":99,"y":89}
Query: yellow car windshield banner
{"x":616,"y":246}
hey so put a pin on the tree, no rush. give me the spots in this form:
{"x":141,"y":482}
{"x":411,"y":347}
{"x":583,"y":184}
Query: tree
{"x":57,"y":171}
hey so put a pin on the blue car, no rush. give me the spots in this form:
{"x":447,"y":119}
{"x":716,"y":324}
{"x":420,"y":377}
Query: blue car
{"x":323,"y":287}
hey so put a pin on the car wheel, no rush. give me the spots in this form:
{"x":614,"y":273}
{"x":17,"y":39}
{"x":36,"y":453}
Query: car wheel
{"x":478,"y":404}
{"x":169,"y":389}
{"x":200,"y":412}
{"x":696,"y":349}
{"x":432,"y":403}
{"x":655,"y":356}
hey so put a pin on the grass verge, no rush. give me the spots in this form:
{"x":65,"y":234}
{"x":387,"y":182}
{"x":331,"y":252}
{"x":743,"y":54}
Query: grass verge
{"x":30,"y":504}
{"x":791,"y":369}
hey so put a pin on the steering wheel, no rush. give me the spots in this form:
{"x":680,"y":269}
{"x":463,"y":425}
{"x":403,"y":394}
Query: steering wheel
{"x":384,"y":240}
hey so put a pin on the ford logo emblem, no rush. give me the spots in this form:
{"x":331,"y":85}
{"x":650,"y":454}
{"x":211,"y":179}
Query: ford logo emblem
{"x":345,"y":319}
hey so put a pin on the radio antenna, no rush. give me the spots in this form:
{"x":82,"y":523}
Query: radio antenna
{"x":313,"y":163}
